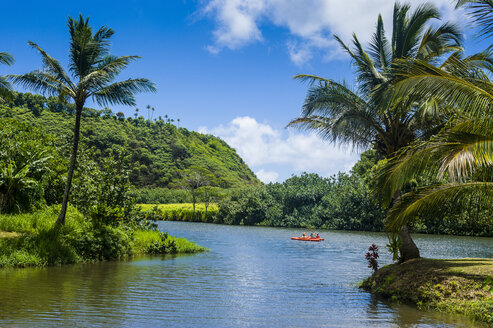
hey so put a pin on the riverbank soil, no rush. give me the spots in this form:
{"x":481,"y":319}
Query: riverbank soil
{"x":463,"y":286}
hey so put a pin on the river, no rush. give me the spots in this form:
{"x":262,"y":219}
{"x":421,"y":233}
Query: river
{"x":252,"y":277}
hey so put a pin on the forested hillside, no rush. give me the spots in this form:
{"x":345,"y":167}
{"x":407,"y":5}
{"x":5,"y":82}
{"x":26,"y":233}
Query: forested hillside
{"x":159,"y":150}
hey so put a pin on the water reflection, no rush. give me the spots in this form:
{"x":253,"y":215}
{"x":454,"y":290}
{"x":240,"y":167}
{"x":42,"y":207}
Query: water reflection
{"x":253,"y":277}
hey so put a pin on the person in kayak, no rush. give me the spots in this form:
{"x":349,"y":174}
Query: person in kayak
{"x":317,"y":236}
{"x":303,"y":235}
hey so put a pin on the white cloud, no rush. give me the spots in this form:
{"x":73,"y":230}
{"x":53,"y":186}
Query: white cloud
{"x":310,"y":22}
{"x":262,"y":146}
{"x":236,"y":20}
{"x":267,"y":176}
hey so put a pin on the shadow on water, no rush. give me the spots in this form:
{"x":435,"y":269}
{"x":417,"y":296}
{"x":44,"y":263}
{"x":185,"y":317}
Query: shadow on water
{"x":252,"y":277}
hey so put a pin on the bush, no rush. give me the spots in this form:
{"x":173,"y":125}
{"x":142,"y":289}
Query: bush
{"x":80,"y":240}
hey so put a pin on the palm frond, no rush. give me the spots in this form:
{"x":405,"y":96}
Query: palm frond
{"x":42,"y":82}
{"x":105,"y":72}
{"x":53,"y":66}
{"x":425,"y":81}
{"x":6,"y":59}
{"x":311,"y":79}
{"x":367,"y":75}
{"x":5,"y":90}
{"x":86,"y":50}
{"x":413,"y":26}
{"x":482,"y":12}
{"x":437,"y":41}
{"x":458,"y":152}
{"x":122,"y":92}
{"x":426,"y":200}
{"x":380,"y":49}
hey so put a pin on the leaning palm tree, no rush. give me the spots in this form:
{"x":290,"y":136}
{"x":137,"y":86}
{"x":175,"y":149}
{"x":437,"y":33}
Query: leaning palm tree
{"x":461,"y":155}
{"x":5,"y":87}
{"x":368,"y":116}
{"x":92,"y":73}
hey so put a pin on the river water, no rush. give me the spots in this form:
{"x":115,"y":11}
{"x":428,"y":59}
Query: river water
{"x":252,"y":277}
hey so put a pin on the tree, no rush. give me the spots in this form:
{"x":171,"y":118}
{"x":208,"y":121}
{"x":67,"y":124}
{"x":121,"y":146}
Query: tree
{"x":368,"y":116}
{"x":210,"y":194}
{"x":193,"y":179}
{"x":461,"y":155}
{"x":5,"y":87}
{"x":93,"y":71}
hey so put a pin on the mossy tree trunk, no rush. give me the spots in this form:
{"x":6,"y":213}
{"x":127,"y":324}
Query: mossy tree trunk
{"x":408,"y":248}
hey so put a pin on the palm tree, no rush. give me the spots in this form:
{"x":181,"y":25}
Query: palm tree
{"x":93,"y":71}
{"x":368,"y":116}
{"x":459,"y":156}
{"x":5,"y":87}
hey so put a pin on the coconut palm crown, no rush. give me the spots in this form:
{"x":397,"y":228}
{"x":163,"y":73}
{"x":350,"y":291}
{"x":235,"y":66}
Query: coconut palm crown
{"x":355,"y":116}
{"x":91,"y":74}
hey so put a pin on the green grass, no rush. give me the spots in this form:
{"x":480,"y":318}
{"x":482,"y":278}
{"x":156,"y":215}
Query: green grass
{"x":40,"y":220}
{"x":463,"y":286}
{"x":184,"y":246}
{"x":34,"y":240}
{"x":182,"y":212}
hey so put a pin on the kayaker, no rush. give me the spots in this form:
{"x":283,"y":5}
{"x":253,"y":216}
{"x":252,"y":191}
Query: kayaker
{"x":303,"y":235}
{"x":317,"y":236}
{"x":312,"y":235}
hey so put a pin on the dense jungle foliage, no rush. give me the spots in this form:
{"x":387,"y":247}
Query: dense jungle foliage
{"x":341,"y":202}
{"x":103,"y":222}
{"x":159,"y":150}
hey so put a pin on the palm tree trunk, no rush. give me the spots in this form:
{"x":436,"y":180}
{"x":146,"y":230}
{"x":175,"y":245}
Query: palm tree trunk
{"x":408,"y":248}
{"x":75,"y":146}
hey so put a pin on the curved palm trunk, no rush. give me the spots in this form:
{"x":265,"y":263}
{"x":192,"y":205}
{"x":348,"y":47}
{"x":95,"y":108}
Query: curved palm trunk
{"x":75,"y":146}
{"x":408,"y":248}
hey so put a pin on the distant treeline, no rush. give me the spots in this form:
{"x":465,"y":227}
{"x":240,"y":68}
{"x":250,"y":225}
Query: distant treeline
{"x":340,"y":202}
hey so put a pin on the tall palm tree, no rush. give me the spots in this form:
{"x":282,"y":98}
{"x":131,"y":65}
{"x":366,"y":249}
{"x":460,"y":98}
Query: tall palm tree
{"x":368,"y":116}
{"x":92,"y":73}
{"x":5,"y":87}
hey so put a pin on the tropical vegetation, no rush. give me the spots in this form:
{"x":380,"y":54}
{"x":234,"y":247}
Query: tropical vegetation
{"x":341,"y":202}
{"x":160,"y":152}
{"x":93,"y":71}
{"x":382,"y":112}
{"x":103,"y":222}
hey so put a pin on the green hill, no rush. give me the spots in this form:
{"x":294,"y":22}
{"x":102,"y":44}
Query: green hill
{"x":159,"y":150}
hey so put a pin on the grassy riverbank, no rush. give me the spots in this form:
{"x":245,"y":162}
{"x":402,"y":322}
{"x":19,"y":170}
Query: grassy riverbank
{"x":463,"y":286}
{"x":33,"y":240}
{"x":182,"y":211}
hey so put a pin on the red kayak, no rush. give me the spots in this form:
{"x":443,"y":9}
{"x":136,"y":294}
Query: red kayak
{"x":307,"y":238}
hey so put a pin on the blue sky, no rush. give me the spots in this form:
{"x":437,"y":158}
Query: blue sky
{"x":222,"y":66}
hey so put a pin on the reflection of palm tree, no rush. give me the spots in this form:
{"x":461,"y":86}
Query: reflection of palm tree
{"x":366,"y":117}
{"x":93,"y":71}
{"x":5,"y":87}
